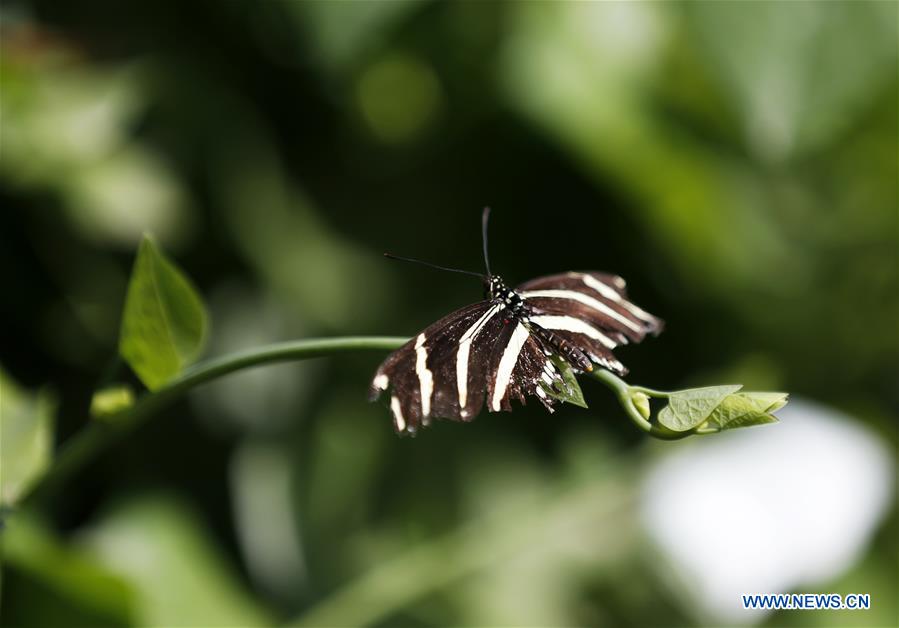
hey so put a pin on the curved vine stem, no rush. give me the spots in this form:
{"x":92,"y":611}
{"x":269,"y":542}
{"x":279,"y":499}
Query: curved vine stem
{"x":625,"y":392}
{"x":97,"y":436}
{"x":649,"y":392}
{"x":89,"y":442}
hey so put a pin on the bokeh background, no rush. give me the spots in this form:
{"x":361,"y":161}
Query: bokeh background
{"x":735,"y":162}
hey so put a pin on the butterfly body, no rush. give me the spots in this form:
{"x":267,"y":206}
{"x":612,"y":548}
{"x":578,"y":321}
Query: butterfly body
{"x":500,"y":349}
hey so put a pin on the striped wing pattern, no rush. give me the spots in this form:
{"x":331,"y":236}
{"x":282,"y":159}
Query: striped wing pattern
{"x":411,"y":385}
{"x":498,"y":350}
{"x":590,"y":312}
{"x":477,"y":354}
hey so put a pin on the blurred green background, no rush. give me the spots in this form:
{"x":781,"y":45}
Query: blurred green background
{"x":735,"y":162}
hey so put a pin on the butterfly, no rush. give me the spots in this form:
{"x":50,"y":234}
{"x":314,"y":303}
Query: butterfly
{"x":502,"y":348}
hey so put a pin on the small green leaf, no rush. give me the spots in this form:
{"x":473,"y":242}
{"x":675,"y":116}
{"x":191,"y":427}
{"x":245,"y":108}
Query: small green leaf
{"x":688,"y":408}
{"x":164,"y":324}
{"x":111,"y":400}
{"x":745,"y":409}
{"x":769,"y":402}
{"x":641,"y":403}
{"x":26,"y":437}
{"x":568,"y":390}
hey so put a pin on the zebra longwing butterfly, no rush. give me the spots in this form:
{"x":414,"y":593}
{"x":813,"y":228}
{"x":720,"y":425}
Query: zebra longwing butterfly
{"x":501,"y":348}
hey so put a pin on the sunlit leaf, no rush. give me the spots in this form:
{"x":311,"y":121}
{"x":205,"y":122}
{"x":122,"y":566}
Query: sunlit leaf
{"x":568,"y":390}
{"x":745,"y":409}
{"x":179,"y":577}
{"x":164,"y":324}
{"x":688,"y":408}
{"x":26,"y":434}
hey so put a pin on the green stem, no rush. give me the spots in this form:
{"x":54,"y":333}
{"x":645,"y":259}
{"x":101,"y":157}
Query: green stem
{"x":624,"y":393}
{"x":279,"y":352}
{"x":87,"y":444}
{"x":84,"y":446}
{"x":649,"y":392}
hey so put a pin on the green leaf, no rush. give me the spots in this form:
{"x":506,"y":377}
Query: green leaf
{"x":26,"y":434}
{"x":568,"y":390}
{"x":164,"y":324}
{"x":109,"y":401}
{"x":688,"y":408}
{"x":745,"y":409}
{"x":774,"y":400}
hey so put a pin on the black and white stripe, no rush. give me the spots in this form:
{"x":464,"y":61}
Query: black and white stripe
{"x":499,"y":349}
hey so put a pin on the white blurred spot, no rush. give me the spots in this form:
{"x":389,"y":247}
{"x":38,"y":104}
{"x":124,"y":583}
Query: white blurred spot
{"x":772,"y":509}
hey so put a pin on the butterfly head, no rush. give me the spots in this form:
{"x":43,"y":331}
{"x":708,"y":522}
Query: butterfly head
{"x":495,"y":289}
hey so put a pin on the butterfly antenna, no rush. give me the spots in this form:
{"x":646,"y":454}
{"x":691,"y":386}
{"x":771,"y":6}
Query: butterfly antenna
{"x":484,"y":219}
{"x":418,"y":261}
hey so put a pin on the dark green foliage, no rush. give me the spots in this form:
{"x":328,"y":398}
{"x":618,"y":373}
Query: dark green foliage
{"x":735,"y":162}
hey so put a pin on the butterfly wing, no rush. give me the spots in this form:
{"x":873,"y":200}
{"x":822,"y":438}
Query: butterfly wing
{"x":519,"y":366}
{"x":447,"y":371}
{"x":587,"y":313}
{"x":422,"y":375}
